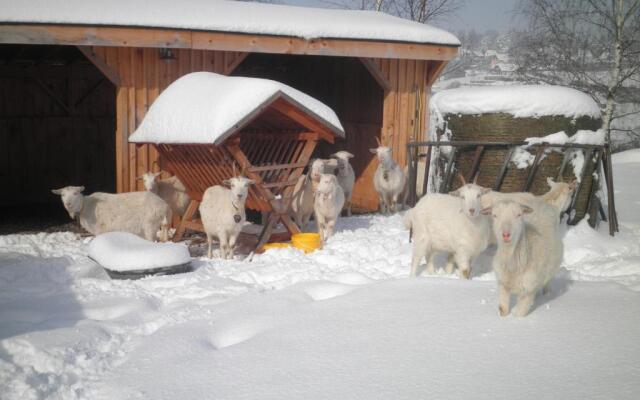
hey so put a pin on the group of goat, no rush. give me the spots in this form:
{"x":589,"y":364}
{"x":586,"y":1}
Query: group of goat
{"x":462,"y":223}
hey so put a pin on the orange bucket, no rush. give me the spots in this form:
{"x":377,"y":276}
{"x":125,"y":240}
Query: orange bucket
{"x":276,"y":245}
{"x":306,"y":242}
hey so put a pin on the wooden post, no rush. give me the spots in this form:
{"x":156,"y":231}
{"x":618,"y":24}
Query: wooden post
{"x":503,"y":169}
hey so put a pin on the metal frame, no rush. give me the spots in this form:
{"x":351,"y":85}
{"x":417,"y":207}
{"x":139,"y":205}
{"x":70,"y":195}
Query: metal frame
{"x":601,"y":154}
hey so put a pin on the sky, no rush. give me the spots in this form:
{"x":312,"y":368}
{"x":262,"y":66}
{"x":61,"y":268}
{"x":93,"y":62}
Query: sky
{"x":480,"y":15}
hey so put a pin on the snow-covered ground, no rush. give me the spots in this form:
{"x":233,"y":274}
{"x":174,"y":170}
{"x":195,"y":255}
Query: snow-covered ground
{"x":342,"y":323}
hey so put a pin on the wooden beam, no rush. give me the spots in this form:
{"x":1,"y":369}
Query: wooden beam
{"x":229,"y":68}
{"x":308,"y":122}
{"x":53,"y":95}
{"x":156,"y":37}
{"x":434,"y":69}
{"x":377,"y":74}
{"x":101,"y":64}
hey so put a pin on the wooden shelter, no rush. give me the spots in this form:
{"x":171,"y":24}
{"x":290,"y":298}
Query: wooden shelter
{"x":374,"y":70}
{"x":205,"y":124}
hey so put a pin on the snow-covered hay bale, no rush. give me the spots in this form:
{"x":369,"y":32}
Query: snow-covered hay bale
{"x":515,"y":113}
{"x":127,"y":256}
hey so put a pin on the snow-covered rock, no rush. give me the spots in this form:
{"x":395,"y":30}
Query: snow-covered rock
{"x":204,"y":107}
{"x":123,"y":251}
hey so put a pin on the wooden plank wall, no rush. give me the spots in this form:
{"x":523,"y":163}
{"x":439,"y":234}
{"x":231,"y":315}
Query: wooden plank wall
{"x":143,"y":77}
{"x":405,"y":112}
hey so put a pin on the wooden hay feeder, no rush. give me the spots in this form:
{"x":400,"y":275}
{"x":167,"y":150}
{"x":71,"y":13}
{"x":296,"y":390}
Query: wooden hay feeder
{"x":205,"y":124}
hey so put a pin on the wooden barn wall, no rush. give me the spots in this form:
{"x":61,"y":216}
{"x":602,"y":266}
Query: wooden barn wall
{"x":405,"y":112}
{"x":56,"y":129}
{"x":143,"y":77}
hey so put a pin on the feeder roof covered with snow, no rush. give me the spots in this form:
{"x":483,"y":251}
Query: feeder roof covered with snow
{"x":207,"y":108}
{"x":518,"y":100}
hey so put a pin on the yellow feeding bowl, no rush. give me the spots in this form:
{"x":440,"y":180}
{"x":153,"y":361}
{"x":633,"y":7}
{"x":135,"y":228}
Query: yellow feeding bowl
{"x":275,"y":246}
{"x":307,"y":242}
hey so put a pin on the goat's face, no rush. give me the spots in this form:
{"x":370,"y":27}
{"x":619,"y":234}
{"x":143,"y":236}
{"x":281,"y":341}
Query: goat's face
{"x":327,"y":183}
{"x":508,"y":220}
{"x":149,"y":179}
{"x":239,"y":187}
{"x":470,"y":194}
{"x":343,"y":158}
{"x":383,"y":153}
{"x":320,"y":166}
{"x":564,"y":191}
{"x":72,"y":199}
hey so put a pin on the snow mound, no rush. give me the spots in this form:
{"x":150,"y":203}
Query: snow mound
{"x":626,"y":157}
{"x":228,"y":16}
{"x":123,"y":251}
{"x":519,"y":100}
{"x":203,"y":107}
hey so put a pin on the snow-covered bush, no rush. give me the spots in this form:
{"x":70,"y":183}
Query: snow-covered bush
{"x":389,"y":180}
{"x":328,"y":204}
{"x":346,"y":177}
{"x":170,"y":190}
{"x":529,"y":251}
{"x":450,"y":223}
{"x":223,"y":214}
{"x":140,"y":213}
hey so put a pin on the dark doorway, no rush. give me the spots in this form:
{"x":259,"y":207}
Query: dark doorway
{"x":57,"y":125}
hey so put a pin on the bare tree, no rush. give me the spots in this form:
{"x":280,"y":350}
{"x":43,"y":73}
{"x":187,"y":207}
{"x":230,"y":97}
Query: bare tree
{"x":593,"y":45}
{"x":417,"y":10}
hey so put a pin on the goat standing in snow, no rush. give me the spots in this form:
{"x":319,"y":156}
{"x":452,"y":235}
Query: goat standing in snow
{"x":529,"y":251}
{"x":346,"y":177}
{"x":170,"y":190}
{"x":328,"y":204}
{"x":389,"y":179}
{"x":302,"y":201}
{"x":223,"y":214}
{"x":140,"y":213}
{"x":449,"y":223}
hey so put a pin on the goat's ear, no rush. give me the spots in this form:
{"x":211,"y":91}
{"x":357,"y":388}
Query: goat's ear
{"x":486,"y":211}
{"x":157,"y":174}
{"x":573,"y":184}
{"x":550,"y":182}
{"x":455,"y":193}
{"x":485,"y":190}
{"x":141,"y":177}
{"x":349,"y":155}
{"x":374,"y":151}
{"x":226,"y":182}
{"x":526,"y":209}
{"x":79,"y":189}
{"x":250,"y":182}
{"x":57,"y":191}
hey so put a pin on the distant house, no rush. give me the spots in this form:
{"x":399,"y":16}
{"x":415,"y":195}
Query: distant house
{"x":81,"y":74}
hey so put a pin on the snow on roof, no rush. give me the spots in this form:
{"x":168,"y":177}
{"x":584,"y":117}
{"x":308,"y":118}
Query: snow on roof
{"x":518,"y":100}
{"x":227,"y":16}
{"x":123,"y":251}
{"x":203,"y":107}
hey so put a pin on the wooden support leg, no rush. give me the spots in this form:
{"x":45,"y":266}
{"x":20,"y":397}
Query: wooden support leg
{"x":266,"y":231}
{"x":186,"y":218}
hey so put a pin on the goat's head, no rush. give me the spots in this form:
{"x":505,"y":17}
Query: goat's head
{"x":327,"y":183}
{"x":150,"y":180}
{"x":239,"y":186}
{"x":72,"y":199}
{"x":470,"y":193}
{"x":508,"y":222}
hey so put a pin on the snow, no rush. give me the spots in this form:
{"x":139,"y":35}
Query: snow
{"x":519,"y":100}
{"x":342,"y":322}
{"x":227,"y":16}
{"x":123,"y":251}
{"x":204,"y":107}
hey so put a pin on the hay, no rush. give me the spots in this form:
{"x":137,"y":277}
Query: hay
{"x":504,"y":127}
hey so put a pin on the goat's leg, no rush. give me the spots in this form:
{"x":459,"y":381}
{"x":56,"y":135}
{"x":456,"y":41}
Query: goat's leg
{"x":504,"y":298}
{"x":450,"y":264}
{"x":431,"y":265}
{"x":525,"y":301}
{"x":232,"y":244}
{"x":224,"y":245}
{"x":464,"y":265}
{"x":419,"y":252}
{"x":209,"y":242}
{"x":329,"y":226}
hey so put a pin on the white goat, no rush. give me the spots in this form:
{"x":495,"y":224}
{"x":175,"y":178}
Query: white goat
{"x":389,"y":180}
{"x":140,"y":213}
{"x":170,"y":190}
{"x":559,"y":196}
{"x":328,"y":204}
{"x":449,"y":223}
{"x":529,"y":251}
{"x":302,"y":202}
{"x":346,"y":177}
{"x":223,"y":214}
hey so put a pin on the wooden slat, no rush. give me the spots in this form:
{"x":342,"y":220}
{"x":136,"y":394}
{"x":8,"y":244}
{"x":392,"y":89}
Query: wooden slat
{"x":376,"y":73}
{"x":100,"y":63}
